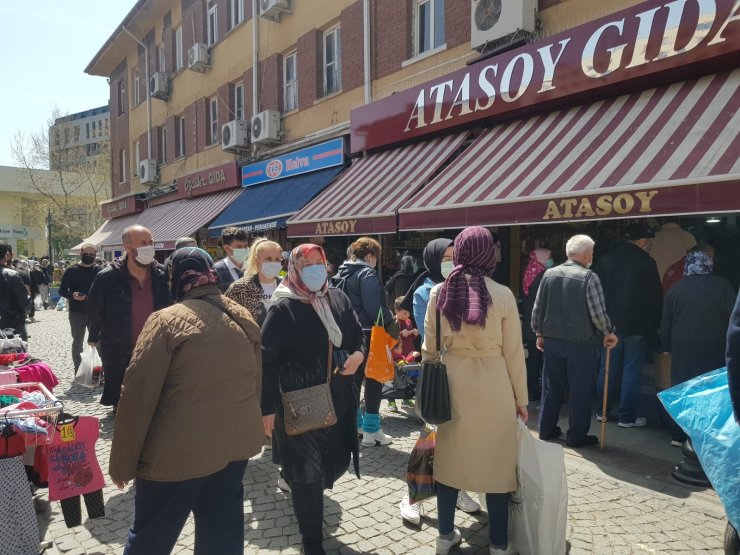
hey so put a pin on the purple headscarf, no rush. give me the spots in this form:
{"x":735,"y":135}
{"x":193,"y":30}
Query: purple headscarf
{"x":466,"y":301}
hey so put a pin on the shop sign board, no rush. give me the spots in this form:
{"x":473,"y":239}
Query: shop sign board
{"x":346,"y":226}
{"x":11,"y":232}
{"x":305,"y":160}
{"x":652,"y":42}
{"x":695,"y":198}
{"x":208,"y":181}
{"x":122,"y":207}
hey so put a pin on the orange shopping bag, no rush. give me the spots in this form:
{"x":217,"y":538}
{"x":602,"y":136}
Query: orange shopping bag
{"x":379,"y":365}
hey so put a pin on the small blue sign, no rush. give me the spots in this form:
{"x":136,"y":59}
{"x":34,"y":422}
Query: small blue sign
{"x":317,"y":157}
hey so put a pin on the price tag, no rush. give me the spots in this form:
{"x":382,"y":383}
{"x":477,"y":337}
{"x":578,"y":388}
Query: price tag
{"x":67,"y":432}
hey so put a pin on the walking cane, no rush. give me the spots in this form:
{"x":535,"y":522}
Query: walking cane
{"x":606,"y":394}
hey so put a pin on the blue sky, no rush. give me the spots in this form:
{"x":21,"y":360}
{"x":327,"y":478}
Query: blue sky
{"x":46,"y":45}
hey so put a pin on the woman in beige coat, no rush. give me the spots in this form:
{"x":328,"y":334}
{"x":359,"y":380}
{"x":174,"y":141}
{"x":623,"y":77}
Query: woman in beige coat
{"x":481,"y":343}
{"x":189,"y":416}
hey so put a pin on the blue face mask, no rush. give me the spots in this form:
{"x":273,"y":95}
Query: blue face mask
{"x":314,"y":276}
{"x":549,"y":263}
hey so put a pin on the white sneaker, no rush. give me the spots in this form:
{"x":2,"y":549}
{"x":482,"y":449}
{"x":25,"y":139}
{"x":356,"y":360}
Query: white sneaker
{"x":508,"y":551}
{"x":283,"y":485}
{"x":466,"y":504}
{"x":444,"y":546}
{"x":410,"y":513}
{"x":640,"y":422}
{"x":378,"y":438}
{"x":392,"y":407}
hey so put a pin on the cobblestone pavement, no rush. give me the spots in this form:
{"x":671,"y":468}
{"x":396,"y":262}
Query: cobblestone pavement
{"x":605,"y":515}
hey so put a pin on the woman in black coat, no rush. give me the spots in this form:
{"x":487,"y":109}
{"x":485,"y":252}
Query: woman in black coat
{"x":696,"y":311}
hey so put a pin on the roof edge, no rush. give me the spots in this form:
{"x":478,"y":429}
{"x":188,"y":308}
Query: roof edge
{"x":90,"y":69}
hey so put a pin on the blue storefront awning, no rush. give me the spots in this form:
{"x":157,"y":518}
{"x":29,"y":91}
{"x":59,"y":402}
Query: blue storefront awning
{"x":269,"y":205}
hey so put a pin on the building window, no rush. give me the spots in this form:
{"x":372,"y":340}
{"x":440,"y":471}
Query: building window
{"x":162,"y":158}
{"x":122,"y":165}
{"x":93,"y":129}
{"x":179,"y":137}
{"x":178,"y":49}
{"x":77,"y":133}
{"x":137,"y":158}
{"x":87,"y":130}
{"x":213,"y":121}
{"x":290,"y":83}
{"x":121,"y":96}
{"x":162,"y":61}
{"x":212,"y":25}
{"x":137,"y":88}
{"x":107,"y":127}
{"x":332,"y":61}
{"x":429,"y":25}
{"x":239,"y":101}
{"x":100,"y":128}
{"x":236,"y":10}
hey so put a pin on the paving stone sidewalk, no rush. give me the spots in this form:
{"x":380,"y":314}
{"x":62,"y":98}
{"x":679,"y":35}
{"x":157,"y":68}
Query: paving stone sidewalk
{"x":605,"y":515}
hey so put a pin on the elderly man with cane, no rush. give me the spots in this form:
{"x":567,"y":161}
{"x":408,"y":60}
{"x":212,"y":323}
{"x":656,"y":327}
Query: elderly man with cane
{"x":570,"y":320}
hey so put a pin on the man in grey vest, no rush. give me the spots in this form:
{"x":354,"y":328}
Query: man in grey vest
{"x":571,"y":324}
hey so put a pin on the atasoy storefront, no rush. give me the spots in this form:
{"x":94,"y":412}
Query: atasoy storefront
{"x":634,"y":115}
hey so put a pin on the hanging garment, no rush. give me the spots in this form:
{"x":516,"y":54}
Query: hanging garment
{"x":18,"y":526}
{"x":73,"y":466}
{"x":72,"y":508}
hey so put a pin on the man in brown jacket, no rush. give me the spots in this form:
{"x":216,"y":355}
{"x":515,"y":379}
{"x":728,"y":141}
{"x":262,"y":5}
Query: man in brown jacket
{"x":189,"y":417}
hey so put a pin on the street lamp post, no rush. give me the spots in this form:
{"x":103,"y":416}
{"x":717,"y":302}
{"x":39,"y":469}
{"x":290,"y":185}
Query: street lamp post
{"x":48,"y":235}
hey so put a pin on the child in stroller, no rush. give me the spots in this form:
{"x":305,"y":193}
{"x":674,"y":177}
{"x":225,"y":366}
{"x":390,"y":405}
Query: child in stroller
{"x":405,"y":358}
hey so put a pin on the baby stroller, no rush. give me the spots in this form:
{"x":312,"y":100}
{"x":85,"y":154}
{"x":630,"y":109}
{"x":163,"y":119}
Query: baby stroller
{"x":403,"y":386}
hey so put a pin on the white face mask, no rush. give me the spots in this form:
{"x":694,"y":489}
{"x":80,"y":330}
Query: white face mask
{"x":446,"y":268}
{"x":240,"y":255}
{"x":271,"y":269}
{"x":145,"y":255}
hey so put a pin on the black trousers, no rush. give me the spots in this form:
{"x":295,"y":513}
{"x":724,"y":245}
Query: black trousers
{"x":72,"y":508}
{"x":78,"y":325}
{"x":535,"y":361}
{"x":308,"y":506}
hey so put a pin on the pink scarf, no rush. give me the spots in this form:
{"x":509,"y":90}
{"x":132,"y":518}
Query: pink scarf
{"x":535,"y":266}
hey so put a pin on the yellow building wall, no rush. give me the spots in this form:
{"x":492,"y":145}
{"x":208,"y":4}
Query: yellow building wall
{"x":28,"y":238}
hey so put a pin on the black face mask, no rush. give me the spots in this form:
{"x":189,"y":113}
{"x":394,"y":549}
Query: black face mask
{"x":88,"y":258}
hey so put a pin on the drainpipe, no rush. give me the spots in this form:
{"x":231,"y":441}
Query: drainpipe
{"x":366,"y":33}
{"x":255,"y":56}
{"x":148,"y":96}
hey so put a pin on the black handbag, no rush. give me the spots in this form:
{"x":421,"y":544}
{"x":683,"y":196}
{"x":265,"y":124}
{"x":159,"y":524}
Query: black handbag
{"x":433,"y":403}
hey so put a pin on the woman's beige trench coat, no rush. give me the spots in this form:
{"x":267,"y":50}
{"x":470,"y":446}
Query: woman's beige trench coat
{"x":477,"y":449}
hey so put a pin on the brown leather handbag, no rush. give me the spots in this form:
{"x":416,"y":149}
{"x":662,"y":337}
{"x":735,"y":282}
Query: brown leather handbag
{"x":311,"y":408}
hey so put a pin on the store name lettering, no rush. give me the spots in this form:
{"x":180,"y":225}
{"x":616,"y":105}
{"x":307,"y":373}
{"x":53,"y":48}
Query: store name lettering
{"x":199,"y":182}
{"x":605,"y":205}
{"x":297,"y":163}
{"x":341,"y":226}
{"x":479,"y":89}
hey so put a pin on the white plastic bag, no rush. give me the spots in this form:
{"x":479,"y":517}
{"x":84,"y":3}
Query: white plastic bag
{"x":11,"y":343}
{"x":38,"y":303}
{"x":91,"y":368}
{"x":538,"y":515}
{"x":61,"y":304}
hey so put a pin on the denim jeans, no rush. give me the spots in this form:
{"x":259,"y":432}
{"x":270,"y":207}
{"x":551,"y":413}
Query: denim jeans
{"x":625,"y":368}
{"x":498,"y":513}
{"x":217,"y":504}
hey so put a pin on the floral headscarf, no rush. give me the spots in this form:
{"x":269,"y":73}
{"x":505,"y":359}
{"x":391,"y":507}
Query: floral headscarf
{"x":698,"y":262}
{"x":292,"y":287}
{"x":536,"y":265}
{"x":466,"y":301}
{"x":191,"y":267}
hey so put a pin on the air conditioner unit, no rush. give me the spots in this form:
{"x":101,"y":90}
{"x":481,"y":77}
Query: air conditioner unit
{"x":492,"y":19}
{"x":273,"y":9}
{"x":266,"y":127}
{"x":148,"y":172}
{"x":198,"y":57}
{"x":159,"y":86}
{"x":235,"y":136}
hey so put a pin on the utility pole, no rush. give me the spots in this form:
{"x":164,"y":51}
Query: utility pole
{"x":48,"y":235}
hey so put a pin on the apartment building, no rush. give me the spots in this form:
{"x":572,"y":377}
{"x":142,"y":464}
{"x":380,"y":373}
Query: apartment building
{"x":79,"y":139}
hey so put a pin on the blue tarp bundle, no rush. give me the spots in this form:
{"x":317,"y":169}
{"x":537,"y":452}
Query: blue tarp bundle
{"x":702,"y":407}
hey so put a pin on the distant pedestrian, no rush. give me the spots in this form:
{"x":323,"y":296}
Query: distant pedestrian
{"x":399,"y":283}
{"x":14,"y":300}
{"x":306,"y":321}
{"x":694,"y":326}
{"x":121,"y":298}
{"x":571,"y":323}
{"x":188,"y":422}
{"x":634,"y":300}
{"x":539,"y":261}
{"x":38,"y":281}
{"x":44,"y":288}
{"x":231,"y":267}
{"x":670,"y":244}
{"x":180,"y":243}
{"x":481,"y":341}
{"x":75,"y":287}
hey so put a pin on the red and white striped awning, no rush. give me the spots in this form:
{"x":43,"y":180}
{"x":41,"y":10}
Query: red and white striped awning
{"x":674,"y":149}
{"x":365,"y":199}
